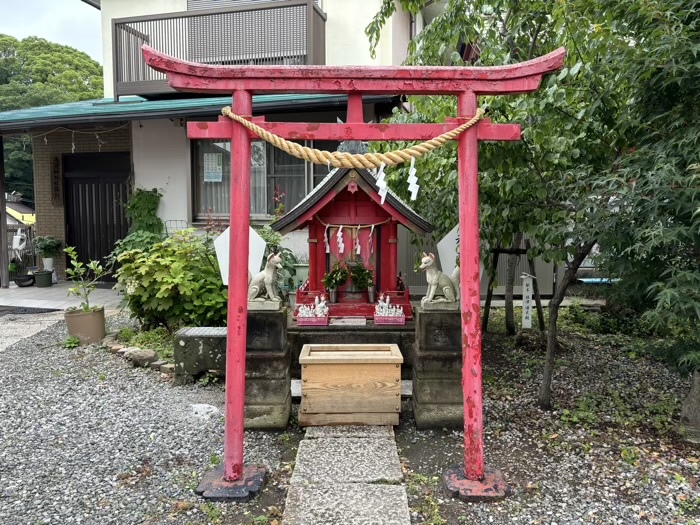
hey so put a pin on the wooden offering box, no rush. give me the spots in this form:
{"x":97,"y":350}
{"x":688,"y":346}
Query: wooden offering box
{"x":350,"y":385}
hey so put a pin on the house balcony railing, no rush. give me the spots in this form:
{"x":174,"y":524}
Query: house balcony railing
{"x":290,"y":32}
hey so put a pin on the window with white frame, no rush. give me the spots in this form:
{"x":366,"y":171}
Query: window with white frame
{"x":276,"y":177}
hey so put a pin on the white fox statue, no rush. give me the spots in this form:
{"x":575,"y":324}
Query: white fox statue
{"x":441,"y":288}
{"x":263,"y":286}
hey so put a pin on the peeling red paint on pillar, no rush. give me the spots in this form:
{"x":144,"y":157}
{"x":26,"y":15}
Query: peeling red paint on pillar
{"x":238,"y":290}
{"x":468,"y":169}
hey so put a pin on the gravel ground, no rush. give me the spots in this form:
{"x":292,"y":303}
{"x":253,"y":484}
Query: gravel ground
{"x":18,"y":323}
{"x":613,"y":458}
{"x":85,"y":438}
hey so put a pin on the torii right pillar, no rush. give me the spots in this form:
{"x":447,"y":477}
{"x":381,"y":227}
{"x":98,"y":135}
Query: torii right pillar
{"x":472,"y":481}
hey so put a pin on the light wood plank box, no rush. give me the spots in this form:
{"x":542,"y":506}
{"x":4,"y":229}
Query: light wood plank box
{"x":350,"y":385}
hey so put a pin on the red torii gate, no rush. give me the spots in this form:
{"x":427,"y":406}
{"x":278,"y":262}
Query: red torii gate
{"x":466,"y":83}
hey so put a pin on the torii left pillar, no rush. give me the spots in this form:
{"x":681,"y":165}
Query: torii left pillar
{"x":232,"y":480}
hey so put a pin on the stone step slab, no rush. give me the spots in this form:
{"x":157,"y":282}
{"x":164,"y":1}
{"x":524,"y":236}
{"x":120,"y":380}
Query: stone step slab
{"x":347,"y":460}
{"x":350,"y":431}
{"x":346,"y":504}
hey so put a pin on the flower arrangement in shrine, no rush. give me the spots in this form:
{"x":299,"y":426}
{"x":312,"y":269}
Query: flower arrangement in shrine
{"x":337,"y":277}
{"x":363,"y":279}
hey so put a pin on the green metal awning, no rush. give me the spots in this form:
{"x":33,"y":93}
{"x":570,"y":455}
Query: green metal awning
{"x":89,"y":112}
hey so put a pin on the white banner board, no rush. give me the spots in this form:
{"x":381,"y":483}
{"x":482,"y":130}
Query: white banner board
{"x":256,"y":252}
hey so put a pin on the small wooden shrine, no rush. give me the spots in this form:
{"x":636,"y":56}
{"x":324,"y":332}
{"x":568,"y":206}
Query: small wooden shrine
{"x":349,"y":221}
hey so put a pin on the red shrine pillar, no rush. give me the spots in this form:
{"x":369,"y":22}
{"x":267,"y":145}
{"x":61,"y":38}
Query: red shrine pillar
{"x":469,"y":251}
{"x":314,"y":283}
{"x":471,"y":482}
{"x":237,"y":318}
{"x":233,"y":481}
{"x":393,"y":254}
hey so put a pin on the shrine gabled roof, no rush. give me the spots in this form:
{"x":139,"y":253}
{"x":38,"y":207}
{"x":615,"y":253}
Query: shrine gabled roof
{"x":286,"y":223}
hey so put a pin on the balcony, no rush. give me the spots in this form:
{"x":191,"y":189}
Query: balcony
{"x":290,"y":32}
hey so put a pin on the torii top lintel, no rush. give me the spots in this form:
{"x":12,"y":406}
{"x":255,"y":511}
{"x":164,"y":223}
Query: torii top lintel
{"x":367,"y":80}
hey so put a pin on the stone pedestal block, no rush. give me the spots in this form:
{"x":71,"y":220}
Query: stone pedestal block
{"x":437,"y":370}
{"x":268,"y":378}
{"x":438,"y":330}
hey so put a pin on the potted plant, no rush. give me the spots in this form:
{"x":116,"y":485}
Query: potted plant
{"x":85,"y":322}
{"x":48,"y":248}
{"x":337,"y":277}
{"x":363,"y":279}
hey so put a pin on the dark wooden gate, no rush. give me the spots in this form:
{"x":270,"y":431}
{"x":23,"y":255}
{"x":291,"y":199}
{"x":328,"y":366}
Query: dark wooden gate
{"x":96,"y":189}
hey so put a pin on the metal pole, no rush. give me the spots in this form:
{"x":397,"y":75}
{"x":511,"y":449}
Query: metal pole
{"x":237,"y":317}
{"x":468,"y":171}
{"x":4,"y":255}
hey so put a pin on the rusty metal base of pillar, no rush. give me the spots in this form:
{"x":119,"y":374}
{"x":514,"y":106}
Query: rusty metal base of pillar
{"x":491,"y":488}
{"x":214,"y":488}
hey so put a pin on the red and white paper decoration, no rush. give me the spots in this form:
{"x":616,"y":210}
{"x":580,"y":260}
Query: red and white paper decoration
{"x":381,"y":184}
{"x":413,"y":186}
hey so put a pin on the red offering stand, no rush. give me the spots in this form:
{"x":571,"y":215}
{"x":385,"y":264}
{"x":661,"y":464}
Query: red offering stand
{"x":390,"y":319}
{"x":312,"y":321}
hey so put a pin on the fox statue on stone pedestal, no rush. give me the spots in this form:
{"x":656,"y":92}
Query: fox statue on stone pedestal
{"x":441,"y":288}
{"x":263,"y":286}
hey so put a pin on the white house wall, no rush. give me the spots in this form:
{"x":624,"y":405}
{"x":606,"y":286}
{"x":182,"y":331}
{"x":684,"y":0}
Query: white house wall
{"x":298,"y":243}
{"x":161,"y":155}
{"x":346,"y":42}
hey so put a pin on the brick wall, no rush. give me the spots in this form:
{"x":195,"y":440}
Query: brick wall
{"x":50,"y":216}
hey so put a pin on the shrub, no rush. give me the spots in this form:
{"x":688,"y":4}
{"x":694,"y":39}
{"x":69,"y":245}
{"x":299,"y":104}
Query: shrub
{"x":142,"y":211}
{"x":176,"y":282}
{"x":273,"y":242}
{"x":85,"y":277}
{"x":137,"y":240}
{"x":48,"y":246}
{"x":126,"y":335}
{"x":159,"y":340}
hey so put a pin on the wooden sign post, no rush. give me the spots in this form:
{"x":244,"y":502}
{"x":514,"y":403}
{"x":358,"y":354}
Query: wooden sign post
{"x":527,"y":301}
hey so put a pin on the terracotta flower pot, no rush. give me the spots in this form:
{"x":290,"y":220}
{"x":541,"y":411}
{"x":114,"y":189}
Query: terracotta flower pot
{"x":89,"y":327}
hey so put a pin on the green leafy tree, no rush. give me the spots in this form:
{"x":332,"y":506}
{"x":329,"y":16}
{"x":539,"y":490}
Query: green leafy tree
{"x":558,"y":184}
{"x":655,"y":242}
{"x":36,"y":72}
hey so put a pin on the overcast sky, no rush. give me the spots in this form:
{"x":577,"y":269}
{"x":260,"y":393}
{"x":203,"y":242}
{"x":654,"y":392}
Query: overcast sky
{"x":69,"y":22}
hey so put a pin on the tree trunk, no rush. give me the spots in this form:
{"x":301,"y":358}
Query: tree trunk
{"x":510,"y":283}
{"x":535,"y":287}
{"x":544,"y":399}
{"x":489,"y":294}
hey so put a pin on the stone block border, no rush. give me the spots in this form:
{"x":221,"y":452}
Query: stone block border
{"x":139,"y":357}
